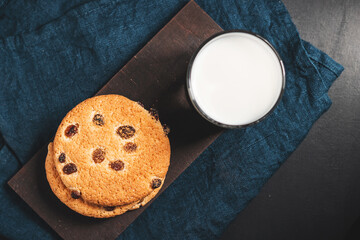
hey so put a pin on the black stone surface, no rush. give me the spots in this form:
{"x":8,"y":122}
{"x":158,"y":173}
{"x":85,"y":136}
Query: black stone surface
{"x":316,"y":192}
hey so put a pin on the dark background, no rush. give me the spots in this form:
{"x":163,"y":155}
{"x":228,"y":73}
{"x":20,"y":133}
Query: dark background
{"x":316,"y":192}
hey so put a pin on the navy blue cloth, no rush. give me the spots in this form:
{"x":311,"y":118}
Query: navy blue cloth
{"x":54,"y":54}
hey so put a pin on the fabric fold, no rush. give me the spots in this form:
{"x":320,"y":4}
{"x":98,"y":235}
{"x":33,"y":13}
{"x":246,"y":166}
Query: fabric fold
{"x":18,"y":220}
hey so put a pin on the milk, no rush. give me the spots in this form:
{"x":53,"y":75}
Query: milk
{"x":236,"y":78}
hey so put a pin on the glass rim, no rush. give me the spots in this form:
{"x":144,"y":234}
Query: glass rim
{"x":191,"y":94}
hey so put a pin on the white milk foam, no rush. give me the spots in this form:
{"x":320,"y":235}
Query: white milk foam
{"x":236,"y":78}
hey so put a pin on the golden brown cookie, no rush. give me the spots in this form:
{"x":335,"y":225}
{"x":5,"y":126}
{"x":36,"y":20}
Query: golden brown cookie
{"x":111,"y":150}
{"x":74,"y":201}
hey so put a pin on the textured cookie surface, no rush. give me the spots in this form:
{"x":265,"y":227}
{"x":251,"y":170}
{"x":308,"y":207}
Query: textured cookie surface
{"x":78,"y":204}
{"x":111,"y":150}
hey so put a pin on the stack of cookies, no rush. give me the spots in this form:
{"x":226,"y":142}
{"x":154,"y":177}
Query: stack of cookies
{"x":109,"y":155}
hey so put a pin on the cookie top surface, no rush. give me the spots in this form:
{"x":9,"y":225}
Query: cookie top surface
{"x":76,"y":202}
{"x":112,"y":150}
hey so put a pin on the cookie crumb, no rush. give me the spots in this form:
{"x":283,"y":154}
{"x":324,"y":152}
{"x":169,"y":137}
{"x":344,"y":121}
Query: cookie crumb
{"x":154,"y":113}
{"x":166,"y":129}
{"x":141,"y":104}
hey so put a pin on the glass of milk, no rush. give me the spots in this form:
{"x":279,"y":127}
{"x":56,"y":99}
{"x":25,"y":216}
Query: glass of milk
{"x":235,"y":79}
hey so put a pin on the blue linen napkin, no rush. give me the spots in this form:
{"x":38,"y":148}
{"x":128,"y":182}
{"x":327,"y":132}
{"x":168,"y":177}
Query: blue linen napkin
{"x":55,"y":54}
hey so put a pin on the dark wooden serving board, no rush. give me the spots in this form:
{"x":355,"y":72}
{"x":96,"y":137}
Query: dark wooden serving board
{"x":156,"y":77}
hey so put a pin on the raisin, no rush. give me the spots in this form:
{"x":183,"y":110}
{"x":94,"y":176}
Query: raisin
{"x":130,"y":147}
{"x":98,"y":119}
{"x":126,"y":131}
{"x":166,"y":129}
{"x":71,"y":130}
{"x":75,"y":194}
{"x":141,"y":104}
{"x":155,"y":183}
{"x":117,"y":165}
{"x":69,"y":168}
{"x":98,"y":155}
{"x":62,"y":157}
{"x":154,"y":113}
{"x":109,"y":208}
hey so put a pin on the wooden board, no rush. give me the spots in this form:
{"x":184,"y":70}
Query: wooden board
{"x":156,"y":77}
